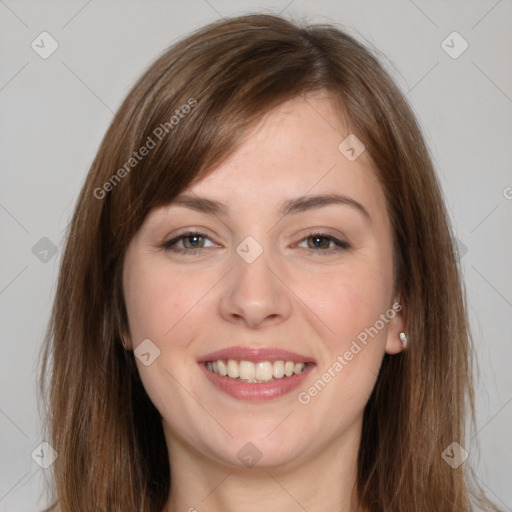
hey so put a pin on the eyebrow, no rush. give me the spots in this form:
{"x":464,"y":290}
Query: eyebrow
{"x":291,"y":206}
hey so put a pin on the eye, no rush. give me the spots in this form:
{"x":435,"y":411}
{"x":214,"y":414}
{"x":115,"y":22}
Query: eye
{"x":321,"y":243}
{"x":191,"y":243}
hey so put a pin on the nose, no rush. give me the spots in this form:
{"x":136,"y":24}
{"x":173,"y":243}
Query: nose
{"x":255,"y":294}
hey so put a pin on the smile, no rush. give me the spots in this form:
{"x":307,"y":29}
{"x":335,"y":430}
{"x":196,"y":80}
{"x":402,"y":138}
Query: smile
{"x":256,"y":374}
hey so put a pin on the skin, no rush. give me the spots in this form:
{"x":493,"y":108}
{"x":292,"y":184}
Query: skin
{"x":292,"y":297}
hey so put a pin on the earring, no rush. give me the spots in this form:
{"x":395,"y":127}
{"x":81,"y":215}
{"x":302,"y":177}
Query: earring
{"x":404,"y":339}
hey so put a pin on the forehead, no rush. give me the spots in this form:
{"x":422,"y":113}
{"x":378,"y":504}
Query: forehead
{"x":294,"y":151}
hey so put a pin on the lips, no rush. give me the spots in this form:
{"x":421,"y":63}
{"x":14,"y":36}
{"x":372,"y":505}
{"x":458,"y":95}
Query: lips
{"x":255,"y":355}
{"x":256,"y":374}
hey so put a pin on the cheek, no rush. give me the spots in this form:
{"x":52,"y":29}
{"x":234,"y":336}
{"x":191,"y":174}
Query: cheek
{"x":349,"y":300}
{"x":350,"y":303}
{"x":161,"y":306}
{"x":146,"y":304}
{"x":157,"y":300}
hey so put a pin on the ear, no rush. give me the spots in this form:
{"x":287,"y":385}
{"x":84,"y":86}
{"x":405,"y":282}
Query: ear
{"x":396,"y":325}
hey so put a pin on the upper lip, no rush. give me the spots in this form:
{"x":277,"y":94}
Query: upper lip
{"x":255,"y":355}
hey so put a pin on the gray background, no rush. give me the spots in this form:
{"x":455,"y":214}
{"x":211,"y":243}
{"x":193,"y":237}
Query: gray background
{"x":55,"y":111}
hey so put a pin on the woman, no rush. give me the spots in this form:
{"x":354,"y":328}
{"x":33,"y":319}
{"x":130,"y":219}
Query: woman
{"x":259,"y":305}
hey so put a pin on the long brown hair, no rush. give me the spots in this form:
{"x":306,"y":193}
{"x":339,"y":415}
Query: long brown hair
{"x":191,"y":109}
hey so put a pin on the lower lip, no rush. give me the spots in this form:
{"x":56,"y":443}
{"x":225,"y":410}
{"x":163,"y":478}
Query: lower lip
{"x":256,"y":392}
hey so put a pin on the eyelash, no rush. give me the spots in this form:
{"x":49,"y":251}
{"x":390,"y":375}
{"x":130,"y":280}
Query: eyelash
{"x":340,"y":245}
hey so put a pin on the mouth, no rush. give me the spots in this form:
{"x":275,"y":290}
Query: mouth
{"x":256,"y":374}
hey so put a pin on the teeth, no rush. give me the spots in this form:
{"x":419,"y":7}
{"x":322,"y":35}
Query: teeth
{"x":233,"y":369}
{"x":278,"y":370}
{"x":296,"y":369}
{"x":262,"y":371}
{"x":247,"y":370}
{"x":223,"y":369}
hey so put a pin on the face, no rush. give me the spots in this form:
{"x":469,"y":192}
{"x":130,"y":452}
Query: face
{"x":289,"y":261}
